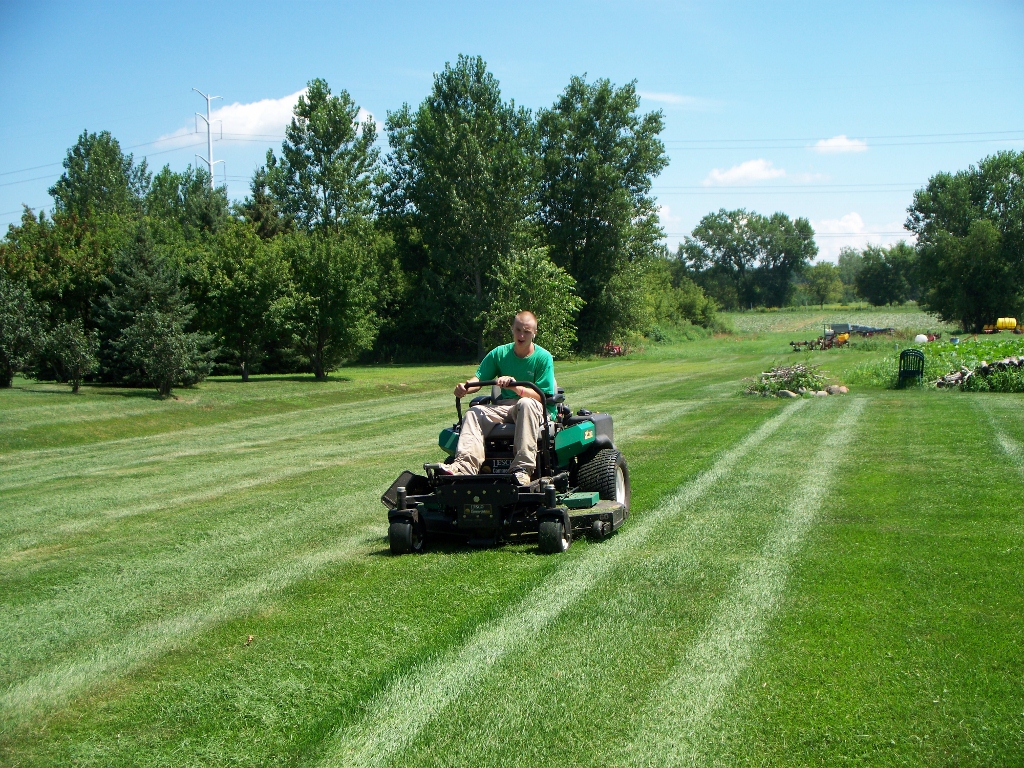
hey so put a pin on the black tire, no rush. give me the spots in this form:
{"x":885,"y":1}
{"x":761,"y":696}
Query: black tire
{"x":552,"y":538}
{"x":608,"y":474}
{"x":405,"y":538}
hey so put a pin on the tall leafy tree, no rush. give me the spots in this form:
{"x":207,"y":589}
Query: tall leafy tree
{"x":324,"y":177}
{"x":334,"y":295}
{"x":824,"y":283}
{"x":247,"y":295}
{"x":850,"y":262}
{"x":323,"y":186}
{"x":64,"y":258}
{"x":530,"y":280}
{"x":99,"y":179}
{"x":888,"y":275}
{"x":758,"y":255}
{"x":970,"y":240}
{"x":183,"y":204}
{"x":462,"y":174}
{"x":600,"y":156}
{"x":21,"y":328}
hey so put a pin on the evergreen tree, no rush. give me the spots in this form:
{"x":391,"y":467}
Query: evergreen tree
{"x":143,"y":322}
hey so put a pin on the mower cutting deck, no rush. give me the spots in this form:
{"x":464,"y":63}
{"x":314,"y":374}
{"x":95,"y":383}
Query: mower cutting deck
{"x":580,"y":486}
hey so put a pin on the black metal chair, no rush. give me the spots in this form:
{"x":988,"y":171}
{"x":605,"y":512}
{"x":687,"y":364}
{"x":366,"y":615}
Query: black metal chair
{"x":911,"y":366}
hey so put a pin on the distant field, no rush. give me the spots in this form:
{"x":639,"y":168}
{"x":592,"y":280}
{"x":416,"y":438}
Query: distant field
{"x":791,"y":320}
{"x":824,"y":581}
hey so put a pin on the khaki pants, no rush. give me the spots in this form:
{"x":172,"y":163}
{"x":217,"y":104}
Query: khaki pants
{"x":526,"y":414}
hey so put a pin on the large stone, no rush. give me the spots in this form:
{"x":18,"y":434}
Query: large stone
{"x":832,"y":389}
{"x":843,"y":390}
{"x":821,"y":393}
{"x":787,"y":393}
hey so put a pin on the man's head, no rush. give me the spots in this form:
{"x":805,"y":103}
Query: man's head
{"x":524,"y":327}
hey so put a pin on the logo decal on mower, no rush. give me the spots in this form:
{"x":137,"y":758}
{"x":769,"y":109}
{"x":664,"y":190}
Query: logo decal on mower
{"x":588,"y":434}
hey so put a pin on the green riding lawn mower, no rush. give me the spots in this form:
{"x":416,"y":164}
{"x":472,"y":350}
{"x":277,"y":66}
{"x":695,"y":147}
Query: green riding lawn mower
{"x":580,"y":486}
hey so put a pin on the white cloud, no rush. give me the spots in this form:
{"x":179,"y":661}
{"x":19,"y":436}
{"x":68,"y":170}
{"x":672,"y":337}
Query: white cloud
{"x":668,"y":220}
{"x":263,"y":119}
{"x":744,"y":173}
{"x":832,"y":235}
{"x":677,"y":100}
{"x":840,"y":144}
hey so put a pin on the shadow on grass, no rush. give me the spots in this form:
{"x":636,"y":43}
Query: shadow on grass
{"x":444,"y":544}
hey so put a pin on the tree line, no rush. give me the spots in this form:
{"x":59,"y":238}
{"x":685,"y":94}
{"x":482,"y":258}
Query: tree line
{"x":967,"y":266}
{"x":340,"y":252}
{"x":478,"y":208}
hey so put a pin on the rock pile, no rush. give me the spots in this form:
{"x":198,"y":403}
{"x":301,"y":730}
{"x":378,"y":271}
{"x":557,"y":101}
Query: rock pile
{"x":831,"y":389}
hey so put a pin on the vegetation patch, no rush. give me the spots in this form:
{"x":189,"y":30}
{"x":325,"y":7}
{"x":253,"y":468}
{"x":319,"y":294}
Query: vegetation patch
{"x":942,"y":358}
{"x":799,"y":378}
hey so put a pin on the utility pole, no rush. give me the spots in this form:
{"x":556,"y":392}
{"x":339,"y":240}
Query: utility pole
{"x":209,"y":134}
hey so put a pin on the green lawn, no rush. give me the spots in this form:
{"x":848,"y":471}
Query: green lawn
{"x":825,"y":581}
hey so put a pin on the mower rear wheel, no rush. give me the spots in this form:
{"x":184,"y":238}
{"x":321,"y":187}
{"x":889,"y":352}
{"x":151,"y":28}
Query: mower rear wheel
{"x":404,"y":538}
{"x":608,"y":474}
{"x":552,"y":537}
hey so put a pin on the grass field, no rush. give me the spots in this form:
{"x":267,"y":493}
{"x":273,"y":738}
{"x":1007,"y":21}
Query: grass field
{"x":823,"y":581}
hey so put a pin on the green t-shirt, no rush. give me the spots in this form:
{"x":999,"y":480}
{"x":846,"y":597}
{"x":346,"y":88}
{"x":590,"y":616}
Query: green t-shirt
{"x":503,"y":361}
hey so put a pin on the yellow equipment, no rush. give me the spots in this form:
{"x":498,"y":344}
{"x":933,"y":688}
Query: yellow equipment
{"x":1006,"y":323}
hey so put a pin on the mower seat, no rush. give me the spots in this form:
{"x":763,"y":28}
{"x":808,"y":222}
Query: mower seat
{"x":502,"y":432}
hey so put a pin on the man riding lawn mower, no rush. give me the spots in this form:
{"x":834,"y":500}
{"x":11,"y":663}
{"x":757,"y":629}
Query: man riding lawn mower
{"x":519,"y":462}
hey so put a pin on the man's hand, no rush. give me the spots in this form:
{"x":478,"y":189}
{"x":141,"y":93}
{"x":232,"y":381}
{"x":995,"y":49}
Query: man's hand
{"x":463,"y":389}
{"x":505,"y":382}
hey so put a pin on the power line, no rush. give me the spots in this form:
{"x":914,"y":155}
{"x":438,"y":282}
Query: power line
{"x":880,"y":136}
{"x":902,"y":233}
{"x":866,"y":146}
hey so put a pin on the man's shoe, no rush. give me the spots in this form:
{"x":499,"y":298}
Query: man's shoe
{"x":441,"y":469}
{"x":522,"y":479}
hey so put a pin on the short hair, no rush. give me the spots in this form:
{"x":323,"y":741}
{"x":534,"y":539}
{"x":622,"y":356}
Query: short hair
{"x":523,"y":315}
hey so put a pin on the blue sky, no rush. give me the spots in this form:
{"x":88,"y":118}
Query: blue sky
{"x":832,"y":111}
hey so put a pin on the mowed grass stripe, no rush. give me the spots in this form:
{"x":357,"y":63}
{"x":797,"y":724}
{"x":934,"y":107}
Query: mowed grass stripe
{"x":403,"y":710}
{"x":58,"y":684}
{"x":1013,"y":449}
{"x":96,"y":598}
{"x":49,"y":464}
{"x":674,"y":727}
{"x":204,"y":467}
{"x":590,"y":670}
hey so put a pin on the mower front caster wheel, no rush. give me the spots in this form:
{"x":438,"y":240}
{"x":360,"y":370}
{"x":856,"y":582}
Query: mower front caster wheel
{"x":552,"y":537}
{"x":405,"y":538}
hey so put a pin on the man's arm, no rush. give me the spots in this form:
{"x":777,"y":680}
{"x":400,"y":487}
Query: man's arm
{"x":505,"y":381}
{"x":461,"y":390}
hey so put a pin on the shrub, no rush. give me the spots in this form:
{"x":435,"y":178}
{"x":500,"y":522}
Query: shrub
{"x":791,"y":377}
